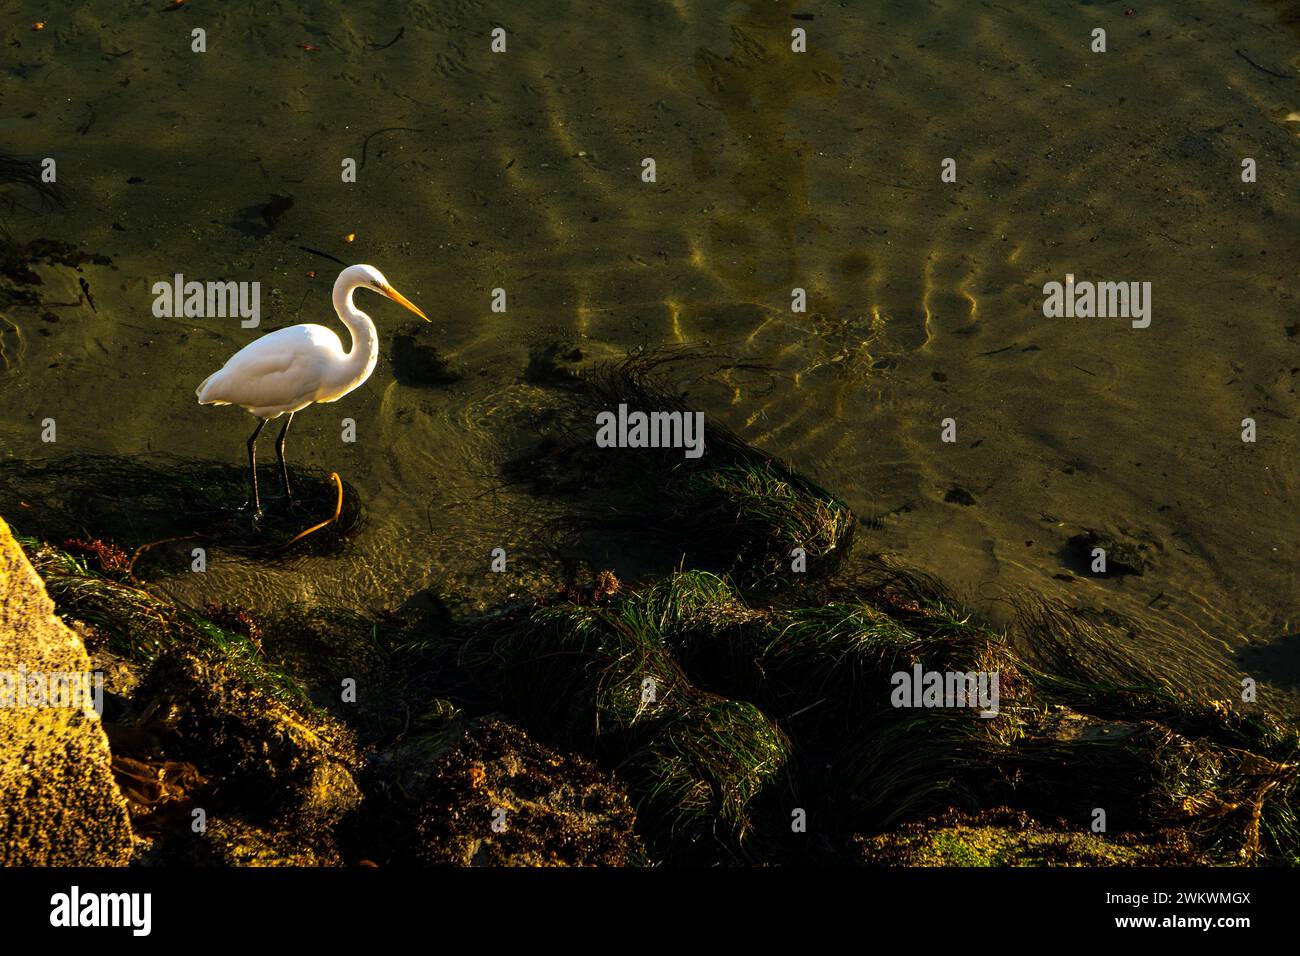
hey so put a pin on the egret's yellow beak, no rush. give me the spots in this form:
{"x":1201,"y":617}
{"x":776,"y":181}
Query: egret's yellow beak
{"x":403,"y":301}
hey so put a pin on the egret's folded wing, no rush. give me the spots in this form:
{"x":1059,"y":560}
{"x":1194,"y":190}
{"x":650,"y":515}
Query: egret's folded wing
{"x":278,"y":372}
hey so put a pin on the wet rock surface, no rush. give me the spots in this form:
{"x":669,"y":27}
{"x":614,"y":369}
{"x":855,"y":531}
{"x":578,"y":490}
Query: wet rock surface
{"x":484,"y":793}
{"x":59,"y":805}
{"x":259,"y":747}
{"x":1124,"y":554}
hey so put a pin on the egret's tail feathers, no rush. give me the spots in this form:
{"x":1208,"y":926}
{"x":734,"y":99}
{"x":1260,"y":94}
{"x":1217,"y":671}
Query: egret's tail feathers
{"x":203,"y":392}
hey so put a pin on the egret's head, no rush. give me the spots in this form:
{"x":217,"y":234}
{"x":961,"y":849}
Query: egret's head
{"x":368,"y":277}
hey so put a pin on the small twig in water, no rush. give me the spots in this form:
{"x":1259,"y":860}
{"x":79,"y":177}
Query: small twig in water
{"x":389,"y":43}
{"x":808,"y":708}
{"x":130,"y":568}
{"x":323,"y":255}
{"x":1264,"y":69}
{"x":365,"y":143}
{"x":85,"y":288}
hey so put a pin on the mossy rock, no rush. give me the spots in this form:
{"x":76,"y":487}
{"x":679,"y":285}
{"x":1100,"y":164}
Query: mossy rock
{"x":725,"y":506}
{"x":229,"y":841}
{"x":268,"y":760}
{"x":1007,"y":840}
{"x":124,"y":620}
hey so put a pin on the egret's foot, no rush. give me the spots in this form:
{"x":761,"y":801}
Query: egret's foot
{"x":253,"y":508}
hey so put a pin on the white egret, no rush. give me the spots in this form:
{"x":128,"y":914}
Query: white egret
{"x":287,"y":370}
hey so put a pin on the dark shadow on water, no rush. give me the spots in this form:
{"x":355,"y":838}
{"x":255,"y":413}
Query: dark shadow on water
{"x":158,"y":506}
{"x":1288,"y":14}
{"x":1277,"y":662}
{"x":261,"y":220}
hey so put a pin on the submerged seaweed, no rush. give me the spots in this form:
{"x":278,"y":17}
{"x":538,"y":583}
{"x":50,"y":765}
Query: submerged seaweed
{"x":734,"y":509}
{"x":158,"y":508}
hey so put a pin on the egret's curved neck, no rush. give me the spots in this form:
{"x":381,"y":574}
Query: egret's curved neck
{"x":364,"y":353}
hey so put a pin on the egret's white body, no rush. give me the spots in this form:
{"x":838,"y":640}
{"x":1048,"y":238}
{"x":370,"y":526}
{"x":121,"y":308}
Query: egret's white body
{"x":287,"y":370}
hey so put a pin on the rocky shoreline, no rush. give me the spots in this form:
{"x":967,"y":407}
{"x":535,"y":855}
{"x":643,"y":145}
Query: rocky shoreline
{"x":735,"y":707}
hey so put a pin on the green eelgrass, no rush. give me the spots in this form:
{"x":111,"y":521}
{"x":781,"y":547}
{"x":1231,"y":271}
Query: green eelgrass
{"x":139,"y":626}
{"x":771,"y":514}
{"x":752,"y":509}
{"x":584,"y":672}
{"x":834,"y":661}
{"x":602,"y":679}
{"x":904,"y":767}
{"x":696,"y":779}
{"x":806,"y":706}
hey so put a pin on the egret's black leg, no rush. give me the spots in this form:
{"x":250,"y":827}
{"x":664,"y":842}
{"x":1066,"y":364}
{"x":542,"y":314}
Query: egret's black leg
{"x":284,"y":470}
{"x":252,"y":466}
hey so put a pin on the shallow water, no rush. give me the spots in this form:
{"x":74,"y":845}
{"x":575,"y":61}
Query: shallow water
{"x":774,"y":170}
